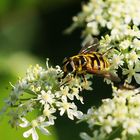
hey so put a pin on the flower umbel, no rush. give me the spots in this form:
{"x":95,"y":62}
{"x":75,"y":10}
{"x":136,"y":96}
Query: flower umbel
{"x":122,"y":53}
{"x":122,"y":112}
{"x":116,"y":23}
{"x":98,"y":15}
{"x":42,"y":90}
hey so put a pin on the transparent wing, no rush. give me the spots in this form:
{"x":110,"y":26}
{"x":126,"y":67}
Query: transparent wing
{"x":89,"y":46}
{"x":106,"y":74}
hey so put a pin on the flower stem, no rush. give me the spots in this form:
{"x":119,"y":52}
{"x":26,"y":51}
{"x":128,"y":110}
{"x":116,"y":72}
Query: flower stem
{"x":116,"y":131}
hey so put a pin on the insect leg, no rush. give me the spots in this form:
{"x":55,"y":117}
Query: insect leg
{"x":73,"y":66}
{"x":84,"y":78}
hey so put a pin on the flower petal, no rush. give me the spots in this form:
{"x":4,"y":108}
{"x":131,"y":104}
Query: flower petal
{"x":70,"y":114}
{"x":25,"y":123}
{"x":44,"y":124}
{"x":44,"y":130}
{"x":62,"y":111}
{"x":27,"y":133}
{"x":137,"y":77}
{"x":34,"y":134}
{"x":78,"y":114}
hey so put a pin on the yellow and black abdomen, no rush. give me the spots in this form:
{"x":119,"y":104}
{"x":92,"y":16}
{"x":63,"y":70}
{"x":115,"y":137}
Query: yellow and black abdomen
{"x":85,"y":63}
{"x":96,"y":62}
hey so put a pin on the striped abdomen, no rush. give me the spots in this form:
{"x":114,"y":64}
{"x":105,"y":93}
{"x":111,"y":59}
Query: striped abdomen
{"x":82,"y":63}
{"x":96,"y":62}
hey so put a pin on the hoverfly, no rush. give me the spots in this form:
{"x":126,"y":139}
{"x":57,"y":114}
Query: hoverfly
{"x":89,"y":61}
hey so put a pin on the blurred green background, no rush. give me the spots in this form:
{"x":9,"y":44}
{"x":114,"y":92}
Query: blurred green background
{"x":30,"y":32}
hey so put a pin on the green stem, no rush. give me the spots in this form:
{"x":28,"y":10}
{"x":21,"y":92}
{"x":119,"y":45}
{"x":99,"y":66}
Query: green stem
{"x":25,"y":99}
{"x":29,"y":91}
{"x":113,"y":133}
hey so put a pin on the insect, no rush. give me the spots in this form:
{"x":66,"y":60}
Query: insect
{"x":89,"y":61}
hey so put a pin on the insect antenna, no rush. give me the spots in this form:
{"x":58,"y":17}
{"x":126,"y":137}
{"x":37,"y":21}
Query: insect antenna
{"x":105,"y":53}
{"x":89,"y":46}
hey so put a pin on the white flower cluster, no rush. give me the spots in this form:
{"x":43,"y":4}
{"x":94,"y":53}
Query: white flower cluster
{"x":116,"y":22}
{"x":98,"y":15}
{"x":42,"y":90}
{"x":123,"y":51}
{"x":121,"y":114}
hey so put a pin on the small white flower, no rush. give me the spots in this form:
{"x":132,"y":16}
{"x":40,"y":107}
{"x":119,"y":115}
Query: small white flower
{"x":48,"y":111}
{"x":64,"y":93}
{"x":75,"y":93}
{"x":117,"y":60}
{"x":125,"y":44}
{"x":69,"y":108}
{"x":136,"y":44}
{"x":132,"y":126}
{"x":132,"y":71}
{"x":134,"y":100}
{"x":132,"y":58}
{"x":127,"y":19}
{"x":93,"y":27}
{"x":46,"y":97}
{"x":38,"y":123}
{"x":116,"y":34}
{"x":87,"y":85}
